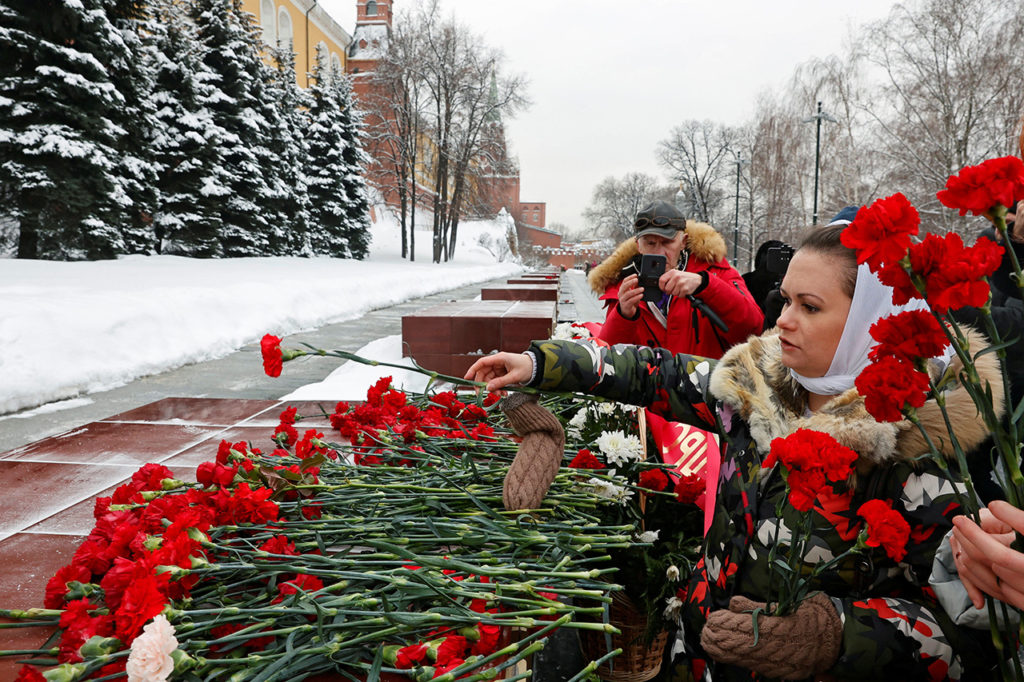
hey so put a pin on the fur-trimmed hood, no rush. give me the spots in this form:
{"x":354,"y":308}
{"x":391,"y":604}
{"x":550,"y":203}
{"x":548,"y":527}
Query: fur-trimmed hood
{"x":754,"y":383}
{"x":703,"y":242}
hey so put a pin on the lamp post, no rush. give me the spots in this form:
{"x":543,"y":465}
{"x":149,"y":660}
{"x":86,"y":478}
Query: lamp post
{"x":818,"y":118}
{"x":736,"y":224}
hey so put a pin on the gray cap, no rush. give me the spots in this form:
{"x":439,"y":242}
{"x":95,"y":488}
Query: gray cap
{"x":660,"y":218}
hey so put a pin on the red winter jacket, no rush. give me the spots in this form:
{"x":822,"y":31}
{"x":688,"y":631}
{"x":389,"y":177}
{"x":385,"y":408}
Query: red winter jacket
{"x":689,"y":330}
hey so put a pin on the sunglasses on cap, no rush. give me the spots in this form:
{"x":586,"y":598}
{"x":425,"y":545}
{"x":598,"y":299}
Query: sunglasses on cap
{"x":659,"y":221}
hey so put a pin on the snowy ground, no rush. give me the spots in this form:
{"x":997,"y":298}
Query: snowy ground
{"x":68,"y":329}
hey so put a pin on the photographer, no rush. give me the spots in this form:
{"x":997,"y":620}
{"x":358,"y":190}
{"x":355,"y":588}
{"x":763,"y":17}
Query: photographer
{"x":763,"y":281}
{"x":697,"y":303}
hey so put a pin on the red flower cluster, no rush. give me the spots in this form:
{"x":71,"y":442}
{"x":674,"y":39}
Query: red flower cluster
{"x":950,"y":271}
{"x":890,"y":385}
{"x":585,"y":459}
{"x":139,"y":531}
{"x":813,"y":461}
{"x":387,"y":409}
{"x":273,"y":360}
{"x":444,"y":650}
{"x":886,"y":528}
{"x":979,"y":189}
{"x":910,"y":335}
{"x":881,"y":233}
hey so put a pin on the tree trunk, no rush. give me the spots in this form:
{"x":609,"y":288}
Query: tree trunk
{"x":28,"y":237}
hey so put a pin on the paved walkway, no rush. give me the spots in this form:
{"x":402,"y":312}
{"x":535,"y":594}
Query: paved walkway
{"x":55,"y":463}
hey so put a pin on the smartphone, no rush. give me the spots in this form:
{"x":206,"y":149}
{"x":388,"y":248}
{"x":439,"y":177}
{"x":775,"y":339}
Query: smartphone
{"x":651,"y":270}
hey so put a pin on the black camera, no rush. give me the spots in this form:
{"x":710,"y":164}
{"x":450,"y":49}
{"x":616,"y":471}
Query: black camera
{"x":777,"y":259}
{"x":651,"y":270}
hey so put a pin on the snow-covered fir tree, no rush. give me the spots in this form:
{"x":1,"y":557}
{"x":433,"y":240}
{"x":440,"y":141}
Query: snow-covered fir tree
{"x":236,"y":101}
{"x":129,"y":67}
{"x":290,"y":152}
{"x":192,"y":180}
{"x":59,"y":143}
{"x":327,"y":169}
{"x":357,"y":208}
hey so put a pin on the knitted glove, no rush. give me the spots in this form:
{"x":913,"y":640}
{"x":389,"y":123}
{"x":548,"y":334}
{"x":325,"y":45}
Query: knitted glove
{"x":791,"y":647}
{"x":540,"y":453}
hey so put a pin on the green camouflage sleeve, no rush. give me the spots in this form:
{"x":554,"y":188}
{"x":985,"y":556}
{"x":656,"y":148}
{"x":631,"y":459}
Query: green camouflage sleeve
{"x":900,"y":631}
{"x":675,"y":386}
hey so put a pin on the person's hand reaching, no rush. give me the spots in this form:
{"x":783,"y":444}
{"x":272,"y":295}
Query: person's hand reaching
{"x":501,"y":370}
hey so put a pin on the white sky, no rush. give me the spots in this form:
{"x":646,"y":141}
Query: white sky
{"x":609,"y":80}
{"x":68,"y":329}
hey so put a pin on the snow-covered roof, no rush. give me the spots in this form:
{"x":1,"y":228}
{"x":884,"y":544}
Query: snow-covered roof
{"x":369,"y":41}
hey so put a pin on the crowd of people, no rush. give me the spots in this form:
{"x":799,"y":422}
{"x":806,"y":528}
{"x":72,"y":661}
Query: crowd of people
{"x":790,"y":339}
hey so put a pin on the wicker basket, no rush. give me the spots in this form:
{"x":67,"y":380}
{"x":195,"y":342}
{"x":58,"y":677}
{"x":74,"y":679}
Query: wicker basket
{"x":636,"y":663}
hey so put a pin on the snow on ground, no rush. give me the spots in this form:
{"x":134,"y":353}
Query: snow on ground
{"x":69,"y":329}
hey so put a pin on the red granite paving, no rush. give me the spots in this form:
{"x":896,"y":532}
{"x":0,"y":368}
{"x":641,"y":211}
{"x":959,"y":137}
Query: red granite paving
{"x":50,"y":486}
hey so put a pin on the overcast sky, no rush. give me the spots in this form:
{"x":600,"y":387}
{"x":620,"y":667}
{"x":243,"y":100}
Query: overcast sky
{"x":609,"y":80}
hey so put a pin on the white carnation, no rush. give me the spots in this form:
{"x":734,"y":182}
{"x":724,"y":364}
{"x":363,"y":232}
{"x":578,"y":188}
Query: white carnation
{"x":672,"y":573}
{"x":649,"y":536}
{"x":150,"y":657}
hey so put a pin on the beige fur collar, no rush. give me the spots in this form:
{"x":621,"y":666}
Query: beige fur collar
{"x":752,"y":380}
{"x":703,"y":242}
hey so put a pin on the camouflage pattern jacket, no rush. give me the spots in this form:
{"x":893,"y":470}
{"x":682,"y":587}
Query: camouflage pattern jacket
{"x":893,"y":627}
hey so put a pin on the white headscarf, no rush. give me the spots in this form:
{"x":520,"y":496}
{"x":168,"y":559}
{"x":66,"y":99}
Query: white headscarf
{"x":872,"y":301}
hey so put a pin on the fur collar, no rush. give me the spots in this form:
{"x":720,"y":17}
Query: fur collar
{"x":703,"y":242}
{"x":751,"y":379}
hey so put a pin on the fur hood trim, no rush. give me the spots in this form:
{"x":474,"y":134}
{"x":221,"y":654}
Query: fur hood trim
{"x":703,"y":242}
{"x":752,"y":381}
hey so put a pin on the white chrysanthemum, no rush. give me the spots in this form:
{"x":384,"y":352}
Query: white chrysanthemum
{"x":619,"y":449}
{"x":672,"y":610}
{"x":606,"y":408}
{"x":649,"y":536}
{"x":610,"y":491}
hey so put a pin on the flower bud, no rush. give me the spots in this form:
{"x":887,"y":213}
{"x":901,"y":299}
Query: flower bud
{"x":64,"y":673}
{"x":672,"y":573}
{"x":97,"y":646}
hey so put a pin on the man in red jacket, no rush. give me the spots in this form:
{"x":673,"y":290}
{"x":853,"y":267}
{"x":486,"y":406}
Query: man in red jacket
{"x":698,"y":286}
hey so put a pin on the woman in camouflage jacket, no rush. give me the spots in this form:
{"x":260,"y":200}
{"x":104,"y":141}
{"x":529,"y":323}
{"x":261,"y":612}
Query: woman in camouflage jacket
{"x":875,"y":618}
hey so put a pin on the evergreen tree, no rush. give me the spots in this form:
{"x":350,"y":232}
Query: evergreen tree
{"x":130,"y":70}
{"x":59,"y":143}
{"x":192,"y":180}
{"x":236,"y":76}
{"x":357,"y":209}
{"x":327,"y":167}
{"x":290,"y":152}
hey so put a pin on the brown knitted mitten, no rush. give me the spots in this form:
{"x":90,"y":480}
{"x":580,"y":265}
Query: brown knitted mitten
{"x":792,"y":647}
{"x":540,"y":453}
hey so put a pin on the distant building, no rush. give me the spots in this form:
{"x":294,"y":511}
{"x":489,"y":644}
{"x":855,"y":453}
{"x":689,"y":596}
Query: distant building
{"x":304,"y":24}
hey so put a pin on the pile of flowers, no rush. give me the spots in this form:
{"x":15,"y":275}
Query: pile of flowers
{"x":386,"y":553}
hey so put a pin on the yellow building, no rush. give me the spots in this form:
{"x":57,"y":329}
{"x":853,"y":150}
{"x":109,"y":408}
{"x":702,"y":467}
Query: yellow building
{"x":306,"y":24}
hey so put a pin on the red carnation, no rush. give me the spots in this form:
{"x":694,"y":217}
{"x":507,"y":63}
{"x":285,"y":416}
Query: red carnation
{"x":143,"y":599}
{"x":910,"y":335}
{"x":585,"y":459}
{"x":408,"y":656}
{"x":886,"y":528}
{"x":889,"y":385}
{"x":56,"y":588}
{"x":488,"y":642}
{"x":654,"y":479}
{"x":881,"y":232}
{"x":452,"y":648}
{"x":978,"y":189}
{"x":272,"y":357}
{"x":29,"y":674}
{"x":689,"y":488}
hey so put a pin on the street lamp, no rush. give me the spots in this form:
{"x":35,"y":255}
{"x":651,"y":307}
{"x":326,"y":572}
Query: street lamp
{"x":818,"y":118}
{"x":740,"y":161}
